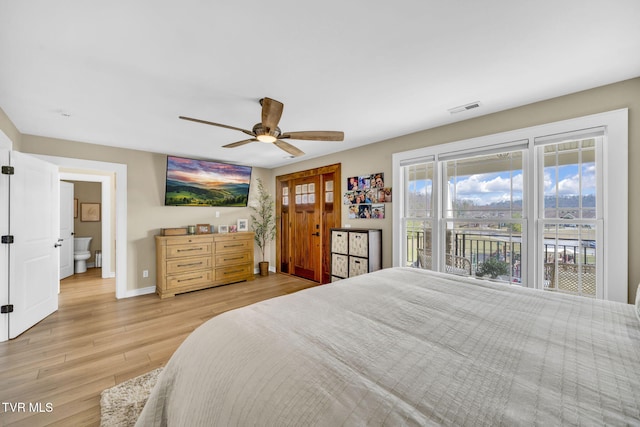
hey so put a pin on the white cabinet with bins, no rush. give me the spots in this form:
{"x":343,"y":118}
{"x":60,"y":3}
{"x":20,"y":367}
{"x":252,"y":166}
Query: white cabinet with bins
{"x":355,"y":251}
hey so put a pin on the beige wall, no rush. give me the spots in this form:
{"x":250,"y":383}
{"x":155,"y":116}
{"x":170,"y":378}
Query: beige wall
{"x":377,"y":157}
{"x":146,"y":213}
{"x":9,"y":129}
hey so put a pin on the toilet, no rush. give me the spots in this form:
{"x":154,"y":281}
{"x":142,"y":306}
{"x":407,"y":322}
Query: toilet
{"x":81,"y":253}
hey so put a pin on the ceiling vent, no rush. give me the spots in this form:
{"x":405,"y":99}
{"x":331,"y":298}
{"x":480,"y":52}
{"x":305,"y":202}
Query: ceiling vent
{"x":466,"y":107}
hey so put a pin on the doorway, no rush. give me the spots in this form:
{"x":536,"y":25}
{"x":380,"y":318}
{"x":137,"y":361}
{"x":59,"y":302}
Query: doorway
{"x":307,"y":207}
{"x":87,"y":195}
{"x":112,"y":176}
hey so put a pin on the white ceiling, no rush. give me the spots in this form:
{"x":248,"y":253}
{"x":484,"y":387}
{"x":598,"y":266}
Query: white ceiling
{"x":120,"y":72}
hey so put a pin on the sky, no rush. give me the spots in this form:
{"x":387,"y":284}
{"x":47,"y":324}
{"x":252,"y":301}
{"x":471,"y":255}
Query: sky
{"x":484,"y":189}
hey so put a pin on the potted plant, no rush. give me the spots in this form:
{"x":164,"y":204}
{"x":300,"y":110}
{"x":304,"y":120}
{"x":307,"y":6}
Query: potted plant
{"x":493,"y":268}
{"x":263,"y":223}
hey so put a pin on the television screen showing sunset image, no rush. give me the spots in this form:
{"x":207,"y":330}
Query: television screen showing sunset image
{"x":192,"y":182}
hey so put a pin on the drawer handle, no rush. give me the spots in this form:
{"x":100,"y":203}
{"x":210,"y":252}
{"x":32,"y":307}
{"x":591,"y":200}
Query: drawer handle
{"x":232,"y":259}
{"x":190,"y":265}
{"x":232,"y":272}
{"x":357,"y":262}
{"x":191,"y":249}
{"x":233,"y":246}
{"x":192,"y":278}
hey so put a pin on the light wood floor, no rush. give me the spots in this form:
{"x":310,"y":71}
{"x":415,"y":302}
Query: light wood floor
{"x":94,"y":342}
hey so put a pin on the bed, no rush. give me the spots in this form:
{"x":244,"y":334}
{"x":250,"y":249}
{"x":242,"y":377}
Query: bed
{"x":405,"y":346}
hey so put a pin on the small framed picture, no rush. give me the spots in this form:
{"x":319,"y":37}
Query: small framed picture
{"x":90,"y":212}
{"x":223,"y":229}
{"x":243,"y":225}
{"x":203,"y":229}
{"x":233,"y":228}
{"x":75,"y":208}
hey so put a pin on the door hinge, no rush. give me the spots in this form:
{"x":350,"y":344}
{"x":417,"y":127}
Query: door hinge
{"x":8,"y":170}
{"x":7,"y":239}
{"x":6,"y":309}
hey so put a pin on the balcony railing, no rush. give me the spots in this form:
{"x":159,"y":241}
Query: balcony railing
{"x":568,"y":267}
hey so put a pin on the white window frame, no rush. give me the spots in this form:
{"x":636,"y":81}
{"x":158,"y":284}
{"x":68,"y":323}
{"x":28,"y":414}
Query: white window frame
{"x":614,"y":197}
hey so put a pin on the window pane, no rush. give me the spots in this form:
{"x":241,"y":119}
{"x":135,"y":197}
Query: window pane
{"x":570,"y":258}
{"x":418,"y":190}
{"x":489,"y":249}
{"x":570,"y":180}
{"x":418,"y":240}
{"x":485,"y":187}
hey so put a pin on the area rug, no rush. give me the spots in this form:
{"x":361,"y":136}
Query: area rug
{"x":121,"y":405}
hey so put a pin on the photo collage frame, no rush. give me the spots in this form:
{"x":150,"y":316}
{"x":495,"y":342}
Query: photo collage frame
{"x":366,"y":196}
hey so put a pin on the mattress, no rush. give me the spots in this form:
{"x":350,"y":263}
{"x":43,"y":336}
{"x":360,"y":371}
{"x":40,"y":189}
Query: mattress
{"x":405,"y":346}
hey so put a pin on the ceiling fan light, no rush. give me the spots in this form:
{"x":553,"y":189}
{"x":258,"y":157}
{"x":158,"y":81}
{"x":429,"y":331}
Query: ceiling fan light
{"x":266,"y":138}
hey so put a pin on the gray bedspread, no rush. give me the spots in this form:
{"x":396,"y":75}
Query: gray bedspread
{"x":404,"y":346}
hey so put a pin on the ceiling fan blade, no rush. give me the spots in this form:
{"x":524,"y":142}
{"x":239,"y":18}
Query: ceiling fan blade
{"x":294,"y":151}
{"x":248,"y":132}
{"x":315,"y":135}
{"x":239,"y":143}
{"x":271,"y":113}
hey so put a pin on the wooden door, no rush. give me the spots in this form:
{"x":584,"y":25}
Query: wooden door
{"x":306,"y":212}
{"x":307,"y":246}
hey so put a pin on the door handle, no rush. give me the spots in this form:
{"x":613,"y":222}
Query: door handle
{"x":317,"y":233}
{"x":57,"y":245}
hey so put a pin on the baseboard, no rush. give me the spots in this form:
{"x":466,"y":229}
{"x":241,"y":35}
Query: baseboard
{"x":142,"y":291}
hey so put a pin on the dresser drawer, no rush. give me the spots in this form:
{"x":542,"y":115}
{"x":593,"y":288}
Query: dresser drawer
{"x":234,"y":272}
{"x":182,"y":265}
{"x":339,"y":241}
{"x":194,"y":279}
{"x":358,"y":266}
{"x":190,"y":249}
{"x":183,"y":240}
{"x":231,"y":258}
{"x":233,"y":245}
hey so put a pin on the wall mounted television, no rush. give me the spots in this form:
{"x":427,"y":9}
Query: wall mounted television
{"x":192,"y":182}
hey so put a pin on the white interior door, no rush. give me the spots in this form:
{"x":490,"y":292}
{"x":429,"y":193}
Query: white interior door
{"x":66,"y":229}
{"x":34,"y":256}
{"x":4,"y":249}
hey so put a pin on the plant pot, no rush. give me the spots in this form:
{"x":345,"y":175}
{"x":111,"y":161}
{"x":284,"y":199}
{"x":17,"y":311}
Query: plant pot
{"x":264,"y":268}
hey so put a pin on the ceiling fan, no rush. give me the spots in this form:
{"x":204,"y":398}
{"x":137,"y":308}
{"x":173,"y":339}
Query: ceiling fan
{"x":268,"y":130}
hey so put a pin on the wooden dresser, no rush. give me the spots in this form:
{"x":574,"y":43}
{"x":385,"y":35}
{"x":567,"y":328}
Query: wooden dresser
{"x":192,"y":262}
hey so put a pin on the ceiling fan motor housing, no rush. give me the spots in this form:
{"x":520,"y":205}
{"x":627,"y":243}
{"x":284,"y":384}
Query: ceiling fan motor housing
{"x":259,"y":130}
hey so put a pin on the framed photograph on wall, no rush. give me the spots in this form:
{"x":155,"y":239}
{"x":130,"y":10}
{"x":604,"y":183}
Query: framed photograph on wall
{"x":203,"y":229}
{"x":90,"y":212}
{"x":243,"y":225}
{"x":223,"y":229}
{"x":75,"y":208}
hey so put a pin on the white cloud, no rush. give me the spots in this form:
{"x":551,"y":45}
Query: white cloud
{"x":484,"y":189}
{"x":570,"y":185}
